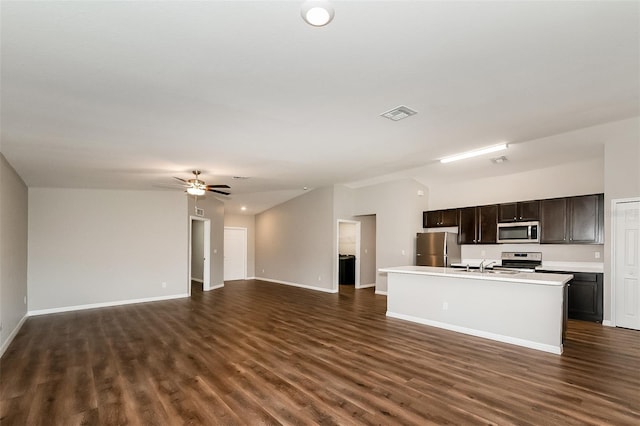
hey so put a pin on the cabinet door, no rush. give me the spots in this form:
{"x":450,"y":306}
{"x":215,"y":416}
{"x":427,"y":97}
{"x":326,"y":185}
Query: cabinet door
{"x":585,"y":297}
{"x":487,"y":224}
{"x":553,"y":221}
{"x":508,"y":212}
{"x":449,"y":217}
{"x":584,"y":219}
{"x":430,"y":219}
{"x":467,"y":225}
{"x":529,"y":210}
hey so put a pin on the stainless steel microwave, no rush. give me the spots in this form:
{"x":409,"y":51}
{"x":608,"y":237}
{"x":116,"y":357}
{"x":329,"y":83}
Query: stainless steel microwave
{"x":519,"y":232}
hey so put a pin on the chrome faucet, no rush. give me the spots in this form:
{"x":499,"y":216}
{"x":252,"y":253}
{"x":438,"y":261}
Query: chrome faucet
{"x":483,"y":266}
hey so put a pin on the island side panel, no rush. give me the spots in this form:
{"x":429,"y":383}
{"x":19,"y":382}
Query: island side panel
{"x":523,"y":314}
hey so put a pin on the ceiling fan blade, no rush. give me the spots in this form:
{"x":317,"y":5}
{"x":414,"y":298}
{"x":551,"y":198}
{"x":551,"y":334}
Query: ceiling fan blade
{"x":218,"y":186}
{"x":181,"y":180}
{"x":219,"y":192}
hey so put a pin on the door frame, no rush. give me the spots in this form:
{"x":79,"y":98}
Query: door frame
{"x":614,"y":224}
{"x":336,"y":284}
{"x":206,"y":273}
{"x":244,"y":252}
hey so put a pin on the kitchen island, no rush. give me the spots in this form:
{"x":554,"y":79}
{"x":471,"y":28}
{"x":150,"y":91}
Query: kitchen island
{"x":526,"y":309}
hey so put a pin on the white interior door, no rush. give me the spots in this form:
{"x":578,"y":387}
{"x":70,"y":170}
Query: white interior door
{"x":235,"y":254}
{"x":626,"y":263}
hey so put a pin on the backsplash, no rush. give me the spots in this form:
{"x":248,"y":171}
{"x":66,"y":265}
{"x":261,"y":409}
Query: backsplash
{"x":550,"y":252}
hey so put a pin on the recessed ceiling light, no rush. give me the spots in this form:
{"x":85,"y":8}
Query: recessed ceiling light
{"x":398,"y":113}
{"x":317,"y":13}
{"x":474,"y":153}
{"x":240,"y":177}
{"x":243,"y":208}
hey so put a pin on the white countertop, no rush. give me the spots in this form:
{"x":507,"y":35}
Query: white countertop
{"x":592,"y":267}
{"x":572,"y":266}
{"x":520,"y":277}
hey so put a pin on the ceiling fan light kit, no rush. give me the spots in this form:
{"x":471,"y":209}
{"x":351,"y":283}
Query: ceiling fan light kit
{"x":198,"y":192}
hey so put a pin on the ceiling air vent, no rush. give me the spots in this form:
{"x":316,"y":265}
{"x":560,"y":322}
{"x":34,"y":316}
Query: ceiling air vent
{"x":398,"y":113}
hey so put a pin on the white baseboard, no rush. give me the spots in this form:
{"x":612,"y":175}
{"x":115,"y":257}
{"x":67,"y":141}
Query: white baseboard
{"x":480,"y":333}
{"x":308,"y":287}
{"x":103,"y":304}
{"x":251,"y":278}
{"x":198,"y":280}
{"x":215,"y":286}
{"x":13,"y":334}
{"x":366,"y":285}
{"x":608,"y":323}
{"x":381,"y":293}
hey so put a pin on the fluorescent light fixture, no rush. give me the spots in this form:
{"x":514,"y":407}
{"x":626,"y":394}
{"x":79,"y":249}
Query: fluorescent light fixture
{"x":198,"y":192}
{"x":317,"y":12}
{"x":474,"y":153}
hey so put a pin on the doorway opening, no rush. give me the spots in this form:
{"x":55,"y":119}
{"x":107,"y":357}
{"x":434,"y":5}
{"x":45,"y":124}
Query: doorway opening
{"x":348,"y":264}
{"x":199,"y":253}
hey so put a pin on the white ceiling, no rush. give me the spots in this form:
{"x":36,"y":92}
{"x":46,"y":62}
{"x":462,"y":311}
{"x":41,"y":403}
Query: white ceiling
{"x":128,"y":94}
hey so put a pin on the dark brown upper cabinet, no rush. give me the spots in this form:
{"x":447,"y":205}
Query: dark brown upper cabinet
{"x":572,"y":220}
{"x":522,"y":211}
{"x":478,"y":225}
{"x":440,"y":218}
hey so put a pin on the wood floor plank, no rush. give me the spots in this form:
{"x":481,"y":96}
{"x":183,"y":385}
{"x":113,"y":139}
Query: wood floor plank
{"x":266,"y":354}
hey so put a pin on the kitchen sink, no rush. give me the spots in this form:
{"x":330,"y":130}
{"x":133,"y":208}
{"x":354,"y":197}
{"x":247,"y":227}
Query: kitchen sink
{"x":492,"y":271}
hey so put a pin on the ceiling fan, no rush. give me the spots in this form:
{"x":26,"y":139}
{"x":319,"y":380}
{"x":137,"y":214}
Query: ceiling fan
{"x":198,"y":187}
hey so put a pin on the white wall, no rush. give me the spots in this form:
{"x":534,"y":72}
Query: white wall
{"x":105,"y":246}
{"x":347,"y":238}
{"x":13,"y":252}
{"x":368,"y":269}
{"x":248,"y":222}
{"x":398,"y":209}
{"x":197,"y":249}
{"x":550,"y":252}
{"x":296,"y":241}
{"x":621,"y":180}
{"x":578,"y":178}
{"x":214,"y":211}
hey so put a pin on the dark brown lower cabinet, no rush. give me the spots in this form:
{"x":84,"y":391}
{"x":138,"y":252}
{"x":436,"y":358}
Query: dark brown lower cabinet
{"x":584,"y":296}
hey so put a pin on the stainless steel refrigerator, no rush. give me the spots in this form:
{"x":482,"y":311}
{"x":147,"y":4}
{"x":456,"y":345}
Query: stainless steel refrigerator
{"x":437,"y":249}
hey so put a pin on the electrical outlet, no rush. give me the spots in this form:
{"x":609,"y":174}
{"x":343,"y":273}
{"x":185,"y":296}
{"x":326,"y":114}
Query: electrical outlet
{"x":263,"y":271}
{"x":215,"y":251}
{"x":366,"y":251}
{"x":25,"y":300}
{"x":445,"y":306}
{"x":164,"y":285}
{"x":597,"y":254}
{"x":403,"y":252}
{"x":319,"y":277}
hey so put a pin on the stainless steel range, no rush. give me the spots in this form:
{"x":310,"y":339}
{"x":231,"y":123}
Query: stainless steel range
{"x":520,"y":261}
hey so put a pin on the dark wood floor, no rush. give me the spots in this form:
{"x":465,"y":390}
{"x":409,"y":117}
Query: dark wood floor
{"x":261,"y":353}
